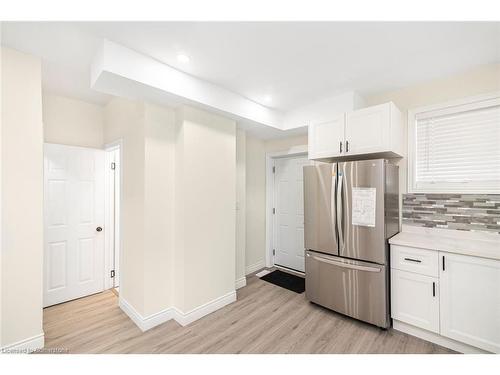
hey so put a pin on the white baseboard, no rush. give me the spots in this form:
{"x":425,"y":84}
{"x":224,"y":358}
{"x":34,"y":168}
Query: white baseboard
{"x":435,"y":338}
{"x":148,"y":322}
{"x":28,"y":345}
{"x":255,"y":267}
{"x":241,"y":282}
{"x":185,"y":318}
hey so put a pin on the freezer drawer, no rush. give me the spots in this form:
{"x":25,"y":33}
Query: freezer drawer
{"x":354,"y":288}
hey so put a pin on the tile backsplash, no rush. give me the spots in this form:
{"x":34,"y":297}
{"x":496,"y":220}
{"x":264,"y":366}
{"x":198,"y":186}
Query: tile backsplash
{"x":469,"y":212}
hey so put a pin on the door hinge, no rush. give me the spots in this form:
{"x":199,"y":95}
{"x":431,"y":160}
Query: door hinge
{"x":113,"y":165}
{"x":112,"y":273}
{"x":274,"y":211}
{"x":274,"y":169}
{"x":274,"y":251}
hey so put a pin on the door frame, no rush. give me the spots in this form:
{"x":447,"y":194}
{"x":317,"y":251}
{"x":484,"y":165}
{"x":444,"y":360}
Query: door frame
{"x":108,"y":221}
{"x":294,"y":151}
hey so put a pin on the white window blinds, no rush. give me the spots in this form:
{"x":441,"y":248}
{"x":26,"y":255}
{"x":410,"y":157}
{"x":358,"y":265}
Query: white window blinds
{"x":457,"y":149}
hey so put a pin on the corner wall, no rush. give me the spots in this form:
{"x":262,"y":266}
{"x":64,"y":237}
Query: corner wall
{"x":22,"y":201}
{"x":124,"y":120}
{"x":159,"y":163}
{"x":240,"y":207}
{"x":255,"y":249}
{"x":205,"y":198}
{"x":178,"y":210}
{"x":147,"y":208}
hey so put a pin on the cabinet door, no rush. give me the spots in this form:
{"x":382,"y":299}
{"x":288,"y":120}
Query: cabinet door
{"x":368,"y":130}
{"x":470,"y":300}
{"x":415,"y":299}
{"x":325,"y":138}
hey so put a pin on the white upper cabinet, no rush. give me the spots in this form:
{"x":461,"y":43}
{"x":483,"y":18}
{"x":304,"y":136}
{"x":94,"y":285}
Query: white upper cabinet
{"x":327,"y":139}
{"x":470,"y":300}
{"x":371,"y":130}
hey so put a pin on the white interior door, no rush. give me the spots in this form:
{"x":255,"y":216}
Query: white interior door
{"x":289,"y":212}
{"x":73,"y":211}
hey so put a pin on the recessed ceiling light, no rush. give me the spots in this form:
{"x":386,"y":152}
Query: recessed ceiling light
{"x":183,"y":58}
{"x":268,"y":98}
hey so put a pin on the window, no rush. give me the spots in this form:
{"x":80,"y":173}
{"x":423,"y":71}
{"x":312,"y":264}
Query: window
{"x":456,"y":148}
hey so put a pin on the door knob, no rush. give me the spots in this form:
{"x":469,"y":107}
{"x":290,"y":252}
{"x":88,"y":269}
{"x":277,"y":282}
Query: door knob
{"x":99,"y":229}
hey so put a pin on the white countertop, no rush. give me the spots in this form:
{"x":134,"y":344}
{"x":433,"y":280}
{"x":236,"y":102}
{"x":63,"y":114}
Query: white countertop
{"x":483,"y":245}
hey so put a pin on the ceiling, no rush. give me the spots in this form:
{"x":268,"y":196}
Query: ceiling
{"x":295,"y":63}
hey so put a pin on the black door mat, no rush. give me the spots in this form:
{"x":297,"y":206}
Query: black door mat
{"x":285,"y":280}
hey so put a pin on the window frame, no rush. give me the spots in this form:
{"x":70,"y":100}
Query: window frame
{"x":468,"y":103}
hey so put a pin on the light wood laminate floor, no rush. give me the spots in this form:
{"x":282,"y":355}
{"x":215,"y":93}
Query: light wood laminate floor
{"x":264,"y":319}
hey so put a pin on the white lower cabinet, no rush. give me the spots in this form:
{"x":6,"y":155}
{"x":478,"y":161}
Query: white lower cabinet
{"x":415,"y":299}
{"x":470,"y":300}
{"x":461,"y":304}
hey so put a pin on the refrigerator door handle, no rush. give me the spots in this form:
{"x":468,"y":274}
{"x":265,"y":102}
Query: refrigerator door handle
{"x":338,"y":202}
{"x":332,"y":198}
{"x":347,"y":265}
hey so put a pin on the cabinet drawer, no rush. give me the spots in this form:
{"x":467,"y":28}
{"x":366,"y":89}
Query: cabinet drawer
{"x":412,"y":259}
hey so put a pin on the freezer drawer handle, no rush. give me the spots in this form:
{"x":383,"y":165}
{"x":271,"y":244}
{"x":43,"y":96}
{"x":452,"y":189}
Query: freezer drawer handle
{"x":413,"y":260}
{"x":347,"y":265}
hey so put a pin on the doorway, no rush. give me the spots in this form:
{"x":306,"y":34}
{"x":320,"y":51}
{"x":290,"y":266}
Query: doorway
{"x":286,"y":193}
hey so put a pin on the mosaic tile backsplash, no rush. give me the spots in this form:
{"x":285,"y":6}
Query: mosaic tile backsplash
{"x":470,"y":212}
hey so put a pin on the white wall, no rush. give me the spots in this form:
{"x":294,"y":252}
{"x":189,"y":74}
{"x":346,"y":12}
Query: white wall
{"x":22,"y":197}
{"x":124,"y":120}
{"x":72,"y":122}
{"x":285,"y":144}
{"x":205,"y":198}
{"x":240,"y":205}
{"x":158,"y":223}
{"x":255,"y":204}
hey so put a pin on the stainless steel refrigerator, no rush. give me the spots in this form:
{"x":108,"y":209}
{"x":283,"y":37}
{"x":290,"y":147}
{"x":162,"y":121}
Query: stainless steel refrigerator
{"x":351,"y":209}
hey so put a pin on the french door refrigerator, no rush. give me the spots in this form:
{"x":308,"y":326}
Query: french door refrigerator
{"x":351,"y":209}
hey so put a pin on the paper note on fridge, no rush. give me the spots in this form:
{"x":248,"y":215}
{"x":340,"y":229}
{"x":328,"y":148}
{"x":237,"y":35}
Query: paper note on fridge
{"x":363,"y":206}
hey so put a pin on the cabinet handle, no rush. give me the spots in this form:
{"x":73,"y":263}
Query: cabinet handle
{"x":346,"y":146}
{"x":340,"y":146}
{"x":413,"y":260}
{"x":434,"y":289}
{"x":443,"y":264}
